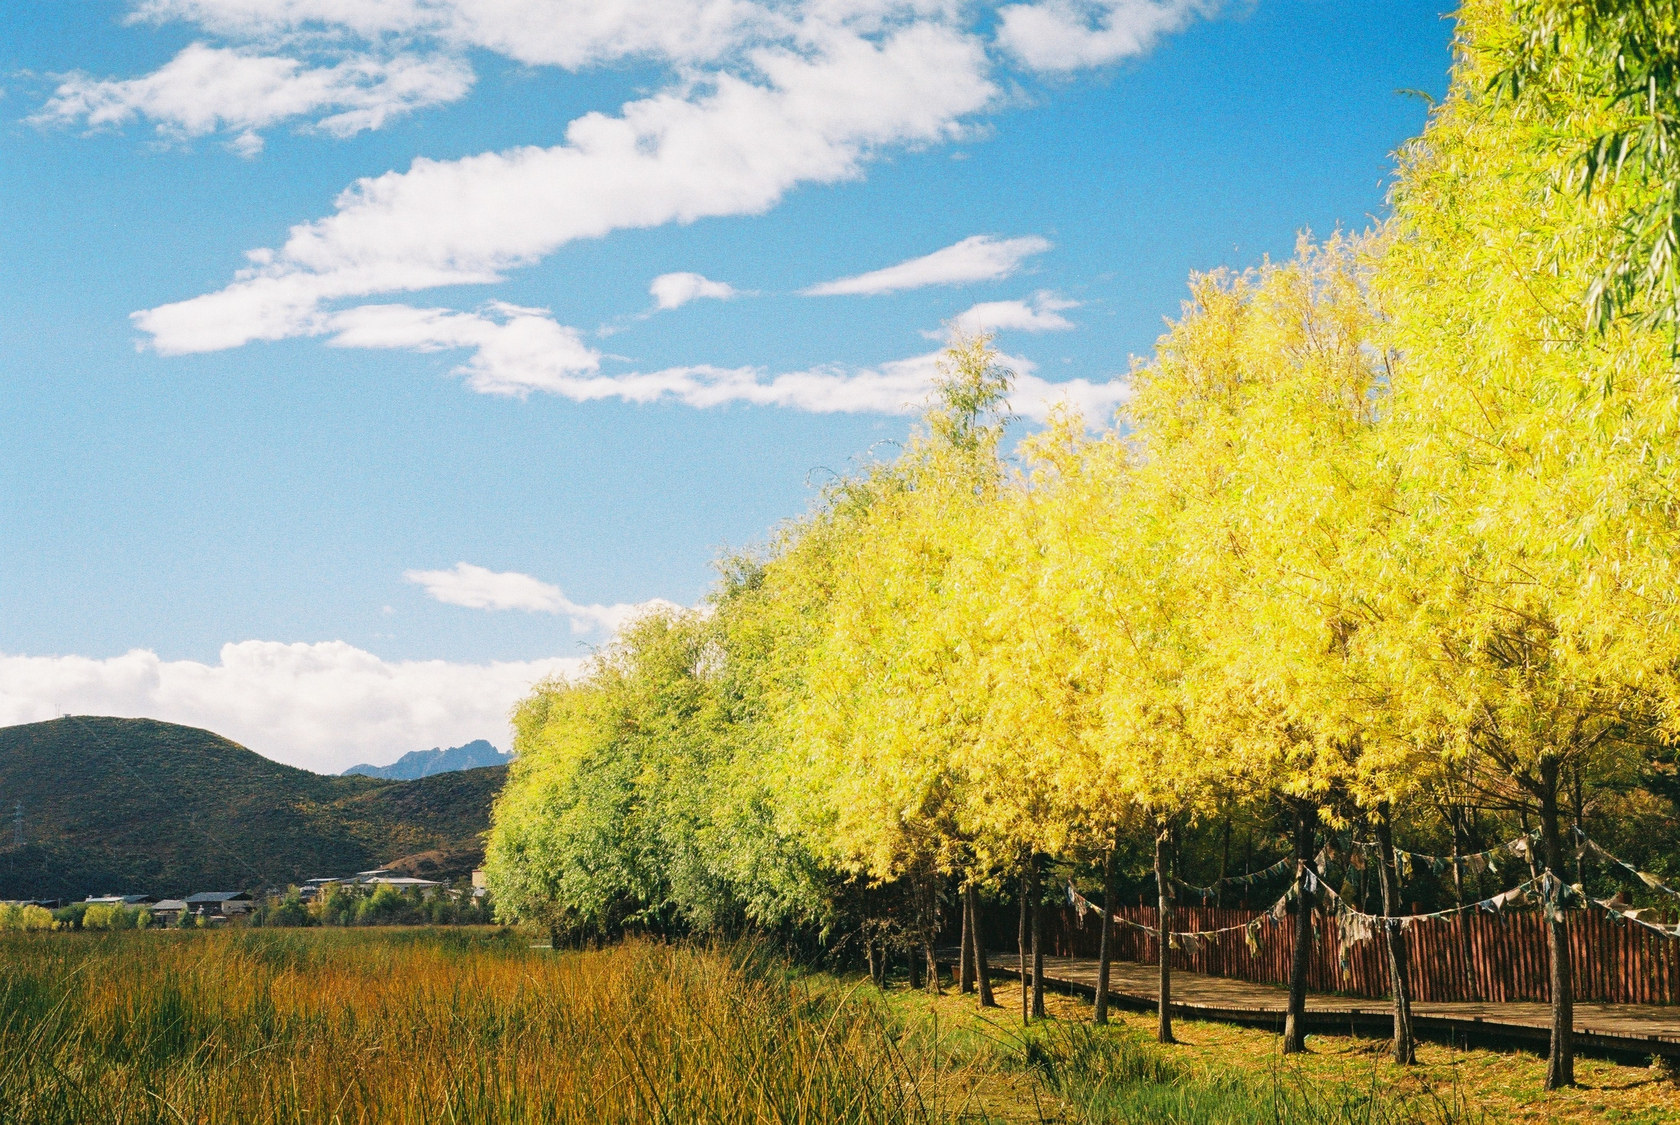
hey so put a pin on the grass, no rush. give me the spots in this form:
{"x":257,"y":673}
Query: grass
{"x":427,"y":1026}
{"x":469,"y":1026}
{"x":1224,"y":1075}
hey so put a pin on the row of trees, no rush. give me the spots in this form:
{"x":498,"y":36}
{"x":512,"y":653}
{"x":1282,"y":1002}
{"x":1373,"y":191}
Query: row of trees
{"x":25,"y":919}
{"x":1385,"y":536}
{"x":385,"y":906}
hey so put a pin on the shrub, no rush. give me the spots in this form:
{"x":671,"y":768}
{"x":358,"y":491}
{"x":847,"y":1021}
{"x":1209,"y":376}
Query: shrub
{"x":385,"y":905}
{"x":114,"y":916}
{"x":99,"y":916}
{"x":289,"y":911}
{"x":336,"y":908}
{"x":25,"y":918}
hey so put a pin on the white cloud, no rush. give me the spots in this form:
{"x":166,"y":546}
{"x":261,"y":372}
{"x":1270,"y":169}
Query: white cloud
{"x":1096,"y":402}
{"x":1041,"y":314}
{"x":1064,"y":35}
{"x":477,"y":587}
{"x":563,"y":33}
{"x":515,"y":350}
{"x":321,"y":706}
{"x":733,"y":149}
{"x":977,"y":258}
{"x":674,"y":290}
{"x":206,"y":90}
{"x":527,"y":351}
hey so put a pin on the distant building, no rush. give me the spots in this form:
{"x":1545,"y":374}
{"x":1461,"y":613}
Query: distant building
{"x":118,"y":900}
{"x":311,"y":889}
{"x":481,"y":883}
{"x":224,"y":904}
{"x":168,"y":911}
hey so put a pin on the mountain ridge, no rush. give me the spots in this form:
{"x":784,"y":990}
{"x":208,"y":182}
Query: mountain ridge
{"x":426,"y":763}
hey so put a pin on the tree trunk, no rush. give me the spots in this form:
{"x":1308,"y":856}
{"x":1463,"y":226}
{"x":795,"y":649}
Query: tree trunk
{"x":1294,"y":1022}
{"x":1224,"y":866}
{"x":915,"y":968}
{"x":1472,"y":987}
{"x":935,"y":985}
{"x":982,"y":971}
{"x":1021,"y":940}
{"x":1560,"y":1060}
{"x":1037,"y":895}
{"x":874,"y":965}
{"x":1105,"y":951}
{"x":1405,"y":1053}
{"x":1580,"y":831}
{"x":965,"y":971}
{"x":1163,"y":943}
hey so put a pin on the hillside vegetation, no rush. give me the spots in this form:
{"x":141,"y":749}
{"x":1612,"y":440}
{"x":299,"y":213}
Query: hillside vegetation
{"x":133,"y":805}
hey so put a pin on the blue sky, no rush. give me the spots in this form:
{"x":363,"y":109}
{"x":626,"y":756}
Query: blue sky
{"x":244,"y":500}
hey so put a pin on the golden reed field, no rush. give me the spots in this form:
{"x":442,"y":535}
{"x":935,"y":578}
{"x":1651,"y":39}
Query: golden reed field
{"x":426,"y":1026}
{"x":467,"y":1026}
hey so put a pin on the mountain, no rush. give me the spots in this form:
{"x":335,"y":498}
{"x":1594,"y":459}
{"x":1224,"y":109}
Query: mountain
{"x":126,"y":806}
{"x":424,"y":763}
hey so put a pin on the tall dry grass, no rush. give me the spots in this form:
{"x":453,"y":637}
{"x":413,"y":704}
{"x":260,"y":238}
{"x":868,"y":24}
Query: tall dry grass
{"x":425,"y":1026}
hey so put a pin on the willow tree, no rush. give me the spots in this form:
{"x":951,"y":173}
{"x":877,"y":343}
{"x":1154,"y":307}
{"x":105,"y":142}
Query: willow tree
{"x":643,"y":794}
{"x":1252,"y":426}
{"x":598,"y":827}
{"x":1027,"y":799}
{"x":1108,"y":599}
{"x":888,"y":701}
{"x":1318,"y":497}
{"x":1533,"y":617}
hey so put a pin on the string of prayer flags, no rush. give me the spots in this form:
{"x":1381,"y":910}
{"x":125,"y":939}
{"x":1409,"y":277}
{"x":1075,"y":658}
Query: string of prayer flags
{"x":1473,"y":864}
{"x":1625,"y":914}
{"x":1586,"y":846}
{"x":1195,"y":940}
{"x":1248,"y":880}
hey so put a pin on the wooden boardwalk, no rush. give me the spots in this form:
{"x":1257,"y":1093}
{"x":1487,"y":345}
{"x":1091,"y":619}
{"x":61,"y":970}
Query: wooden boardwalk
{"x":1637,"y":1028}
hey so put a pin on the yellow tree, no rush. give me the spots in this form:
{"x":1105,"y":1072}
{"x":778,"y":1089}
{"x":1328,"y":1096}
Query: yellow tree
{"x":1250,"y":429}
{"x":1532,"y":619}
{"x":1106,"y":601}
{"x":887,"y":705}
{"x":1026,"y":800}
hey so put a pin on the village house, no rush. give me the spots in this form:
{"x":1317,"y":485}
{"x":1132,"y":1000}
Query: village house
{"x":167,"y":912}
{"x":219,"y":904}
{"x":119,"y":900}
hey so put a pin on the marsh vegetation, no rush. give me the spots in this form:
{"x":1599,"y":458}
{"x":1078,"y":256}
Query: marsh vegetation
{"x":461,"y":1026}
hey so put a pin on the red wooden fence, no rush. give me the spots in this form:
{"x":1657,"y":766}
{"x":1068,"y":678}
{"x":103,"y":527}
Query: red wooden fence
{"x":1615,"y":962}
